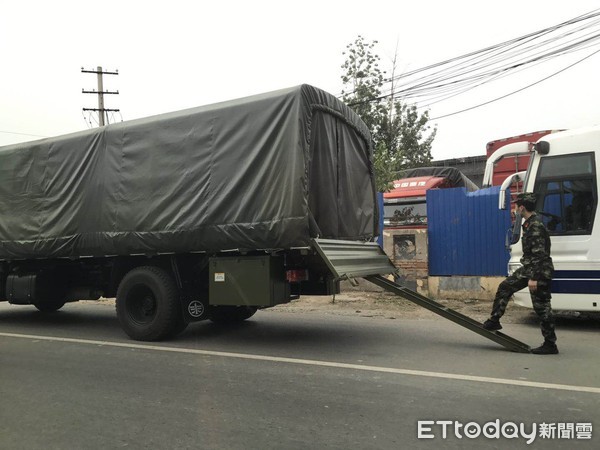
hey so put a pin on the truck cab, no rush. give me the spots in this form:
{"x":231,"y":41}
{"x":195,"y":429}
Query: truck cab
{"x":405,"y":205}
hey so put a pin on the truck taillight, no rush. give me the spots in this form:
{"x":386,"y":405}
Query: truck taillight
{"x":297,"y":275}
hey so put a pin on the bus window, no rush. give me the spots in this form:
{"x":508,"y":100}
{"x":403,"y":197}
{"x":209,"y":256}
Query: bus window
{"x":566,"y":187}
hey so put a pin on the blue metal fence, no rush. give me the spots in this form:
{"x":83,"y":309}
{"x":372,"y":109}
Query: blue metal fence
{"x":466,"y":232}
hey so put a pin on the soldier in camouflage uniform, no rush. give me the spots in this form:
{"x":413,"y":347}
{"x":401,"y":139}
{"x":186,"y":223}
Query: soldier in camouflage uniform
{"x":536,"y":273}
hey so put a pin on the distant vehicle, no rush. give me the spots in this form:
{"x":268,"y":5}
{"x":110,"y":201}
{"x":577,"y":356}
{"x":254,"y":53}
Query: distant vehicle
{"x":563,"y":173}
{"x":405,"y":204}
{"x":509,"y":169}
{"x":511,"y":164}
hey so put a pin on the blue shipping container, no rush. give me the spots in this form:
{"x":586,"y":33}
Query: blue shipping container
{"x":467,"y":232}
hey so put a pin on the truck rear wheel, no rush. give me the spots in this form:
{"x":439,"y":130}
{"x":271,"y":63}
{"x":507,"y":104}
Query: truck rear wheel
{"x":148,"y":305}
{"x":231,"y":314}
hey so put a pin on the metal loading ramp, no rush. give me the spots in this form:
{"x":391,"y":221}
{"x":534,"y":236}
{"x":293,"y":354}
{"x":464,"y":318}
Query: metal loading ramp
{"x":348,"y":260}
{"x":450,"y":314}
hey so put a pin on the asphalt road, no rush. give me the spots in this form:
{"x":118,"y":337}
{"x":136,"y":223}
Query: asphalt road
{"x":73,"y":380}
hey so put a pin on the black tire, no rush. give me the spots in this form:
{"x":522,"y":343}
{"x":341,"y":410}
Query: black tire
{"x":148,"y":305}
{"x":49,"y":307}
{"x":231,"y":314}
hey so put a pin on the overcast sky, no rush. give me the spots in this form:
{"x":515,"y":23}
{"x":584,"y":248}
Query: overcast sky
{"x":177,"y":54}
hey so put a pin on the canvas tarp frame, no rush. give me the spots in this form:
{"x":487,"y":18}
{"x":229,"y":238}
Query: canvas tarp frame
{"x":269,"y":171}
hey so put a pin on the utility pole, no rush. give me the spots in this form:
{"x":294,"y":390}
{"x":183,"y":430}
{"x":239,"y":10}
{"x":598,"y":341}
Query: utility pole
{"x":102,"y":116}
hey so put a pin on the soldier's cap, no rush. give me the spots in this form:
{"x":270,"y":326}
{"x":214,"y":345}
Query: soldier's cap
{"x":526,"y":197}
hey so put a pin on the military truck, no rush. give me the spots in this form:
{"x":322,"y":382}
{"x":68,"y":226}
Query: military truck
{"x":207,"y":213}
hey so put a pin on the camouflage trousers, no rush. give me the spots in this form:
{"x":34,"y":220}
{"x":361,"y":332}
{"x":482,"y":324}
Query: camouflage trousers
{"x":540,"y":300}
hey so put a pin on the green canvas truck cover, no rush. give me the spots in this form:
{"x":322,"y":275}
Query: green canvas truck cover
{"x":264,"y":172}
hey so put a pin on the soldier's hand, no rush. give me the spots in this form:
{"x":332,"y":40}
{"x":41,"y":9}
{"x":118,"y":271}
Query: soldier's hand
{"x":533,"y":284}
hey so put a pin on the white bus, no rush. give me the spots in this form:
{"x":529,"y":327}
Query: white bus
{"x":563,"y":173}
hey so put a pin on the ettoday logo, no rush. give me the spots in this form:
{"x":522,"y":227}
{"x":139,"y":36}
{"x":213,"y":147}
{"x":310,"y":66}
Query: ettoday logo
{"x":430,"y":429}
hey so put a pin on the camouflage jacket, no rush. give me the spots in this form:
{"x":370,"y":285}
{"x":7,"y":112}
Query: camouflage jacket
{"x":536,"y":260}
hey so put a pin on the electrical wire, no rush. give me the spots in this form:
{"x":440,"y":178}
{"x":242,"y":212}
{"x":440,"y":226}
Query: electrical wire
{"x":23,"y":134}
{"x":441,"y":81}
{"x":518,"y":90}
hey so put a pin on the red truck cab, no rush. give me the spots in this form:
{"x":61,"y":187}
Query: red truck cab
{"x":404,"y":205}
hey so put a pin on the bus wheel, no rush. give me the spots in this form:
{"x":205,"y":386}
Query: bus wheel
{"x":148,"y":305}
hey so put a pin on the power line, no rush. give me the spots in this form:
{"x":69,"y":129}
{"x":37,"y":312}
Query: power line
{"x":518,"y":90}
{"x":441,"y":81}
{"x":520,"y":40}
{"x":432,"y":84}
{"x":23,"y":134}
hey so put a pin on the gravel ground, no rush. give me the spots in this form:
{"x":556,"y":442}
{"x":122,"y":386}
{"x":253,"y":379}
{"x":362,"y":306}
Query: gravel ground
{"x":384,"y":304}
{"x":381,"y":304}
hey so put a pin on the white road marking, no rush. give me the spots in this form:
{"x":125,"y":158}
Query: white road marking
{"x":311,"y":362}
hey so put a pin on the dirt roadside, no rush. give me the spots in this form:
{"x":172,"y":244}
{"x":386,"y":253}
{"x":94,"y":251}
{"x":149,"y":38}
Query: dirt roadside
{"x":390,"y":306}
{"x":377,"y":303}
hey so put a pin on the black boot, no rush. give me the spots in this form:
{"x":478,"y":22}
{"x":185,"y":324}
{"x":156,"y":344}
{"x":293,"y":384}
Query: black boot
{"x":547,"y":348}
{"x":492,"y":324}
